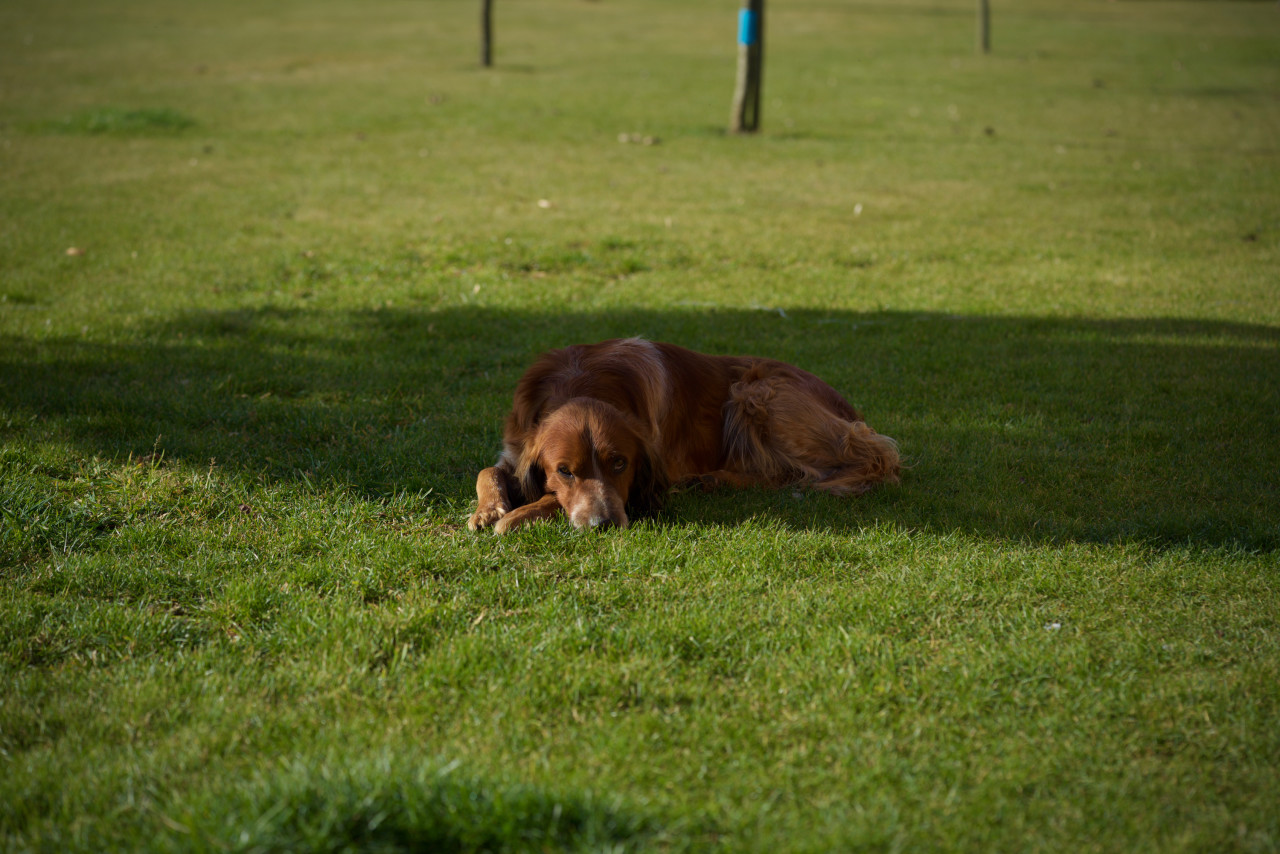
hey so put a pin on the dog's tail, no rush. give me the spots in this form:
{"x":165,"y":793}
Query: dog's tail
{"x":782,"y":430}
{"x":866,"y":458}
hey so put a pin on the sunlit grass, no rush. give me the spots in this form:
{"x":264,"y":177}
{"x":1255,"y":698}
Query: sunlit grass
{"x":269,"y":274}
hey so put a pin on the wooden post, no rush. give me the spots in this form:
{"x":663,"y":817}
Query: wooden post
{"x":984,"y":26}
{"x":486,"y":33}
{"x":745,"y":117}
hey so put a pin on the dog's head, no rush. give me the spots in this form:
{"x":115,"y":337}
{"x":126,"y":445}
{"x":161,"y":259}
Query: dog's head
{"x":596,"y":460}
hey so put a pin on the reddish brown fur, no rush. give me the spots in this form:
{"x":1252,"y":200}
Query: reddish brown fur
{"x":596,"y":429}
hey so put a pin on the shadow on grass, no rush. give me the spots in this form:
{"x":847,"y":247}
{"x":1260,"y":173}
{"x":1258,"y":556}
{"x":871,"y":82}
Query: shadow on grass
{"x":1050,"y":430}
{"x":388,"y":805}
{"x":410,"y":809}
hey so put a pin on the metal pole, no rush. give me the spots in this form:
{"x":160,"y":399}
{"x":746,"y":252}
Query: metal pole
{"x":984,"y":26}
{"x":745,"y":117}
{"x":486,"y":33}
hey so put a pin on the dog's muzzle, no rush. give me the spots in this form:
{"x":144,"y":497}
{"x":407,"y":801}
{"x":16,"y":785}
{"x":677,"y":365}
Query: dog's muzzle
{"x":598,"y":510}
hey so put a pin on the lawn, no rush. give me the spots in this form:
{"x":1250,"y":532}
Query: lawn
{"x":270,"y":271}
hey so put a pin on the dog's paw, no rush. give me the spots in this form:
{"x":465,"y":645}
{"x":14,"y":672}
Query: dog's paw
{"x":485,"y":517}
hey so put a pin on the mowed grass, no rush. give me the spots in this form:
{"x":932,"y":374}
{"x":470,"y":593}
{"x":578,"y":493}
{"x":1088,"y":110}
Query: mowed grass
{"x":269,"y":275}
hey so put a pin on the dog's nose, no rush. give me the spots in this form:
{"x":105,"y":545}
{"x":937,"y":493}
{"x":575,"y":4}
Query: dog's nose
{"x":601,"y":524}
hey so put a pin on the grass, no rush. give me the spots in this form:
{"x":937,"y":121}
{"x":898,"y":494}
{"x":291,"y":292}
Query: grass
{"x":121,"y":121}
{"x":314,"y":248}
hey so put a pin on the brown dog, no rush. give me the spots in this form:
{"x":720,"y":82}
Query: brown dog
{"x":598,"y":429}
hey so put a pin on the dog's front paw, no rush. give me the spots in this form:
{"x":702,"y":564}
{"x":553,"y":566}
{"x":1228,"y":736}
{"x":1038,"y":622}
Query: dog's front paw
{"x":506,"y":523}
{"x":485,"y":517}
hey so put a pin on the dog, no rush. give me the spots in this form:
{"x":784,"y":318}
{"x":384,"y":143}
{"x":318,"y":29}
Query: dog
{"x":601,"y":432}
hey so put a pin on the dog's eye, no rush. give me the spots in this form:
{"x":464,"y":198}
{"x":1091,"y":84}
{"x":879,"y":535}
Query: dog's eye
{"x":563,"y":471}
{"x":619,"y":465}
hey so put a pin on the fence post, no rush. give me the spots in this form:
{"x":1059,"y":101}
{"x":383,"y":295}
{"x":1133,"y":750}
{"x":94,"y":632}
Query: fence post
{"x":745,"y":117}
{"x":486,"y":33}
{"x":984,"y":26}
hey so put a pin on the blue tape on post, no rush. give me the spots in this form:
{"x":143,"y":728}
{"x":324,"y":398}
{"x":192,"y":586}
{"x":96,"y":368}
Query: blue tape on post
{"x":748,"y":27}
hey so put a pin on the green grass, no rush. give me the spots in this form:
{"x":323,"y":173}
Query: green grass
{"x":119,"y":121}
{"x":240,"y":424}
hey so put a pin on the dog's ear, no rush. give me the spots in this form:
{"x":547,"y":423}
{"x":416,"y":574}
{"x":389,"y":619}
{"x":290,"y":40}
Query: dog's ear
{"x":521,"y":442}
{"x":650,"y":485}
{"x":531,"y":480}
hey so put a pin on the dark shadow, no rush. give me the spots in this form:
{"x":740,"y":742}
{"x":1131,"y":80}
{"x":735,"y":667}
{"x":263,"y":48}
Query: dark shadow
{"x":1051,"y":430}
